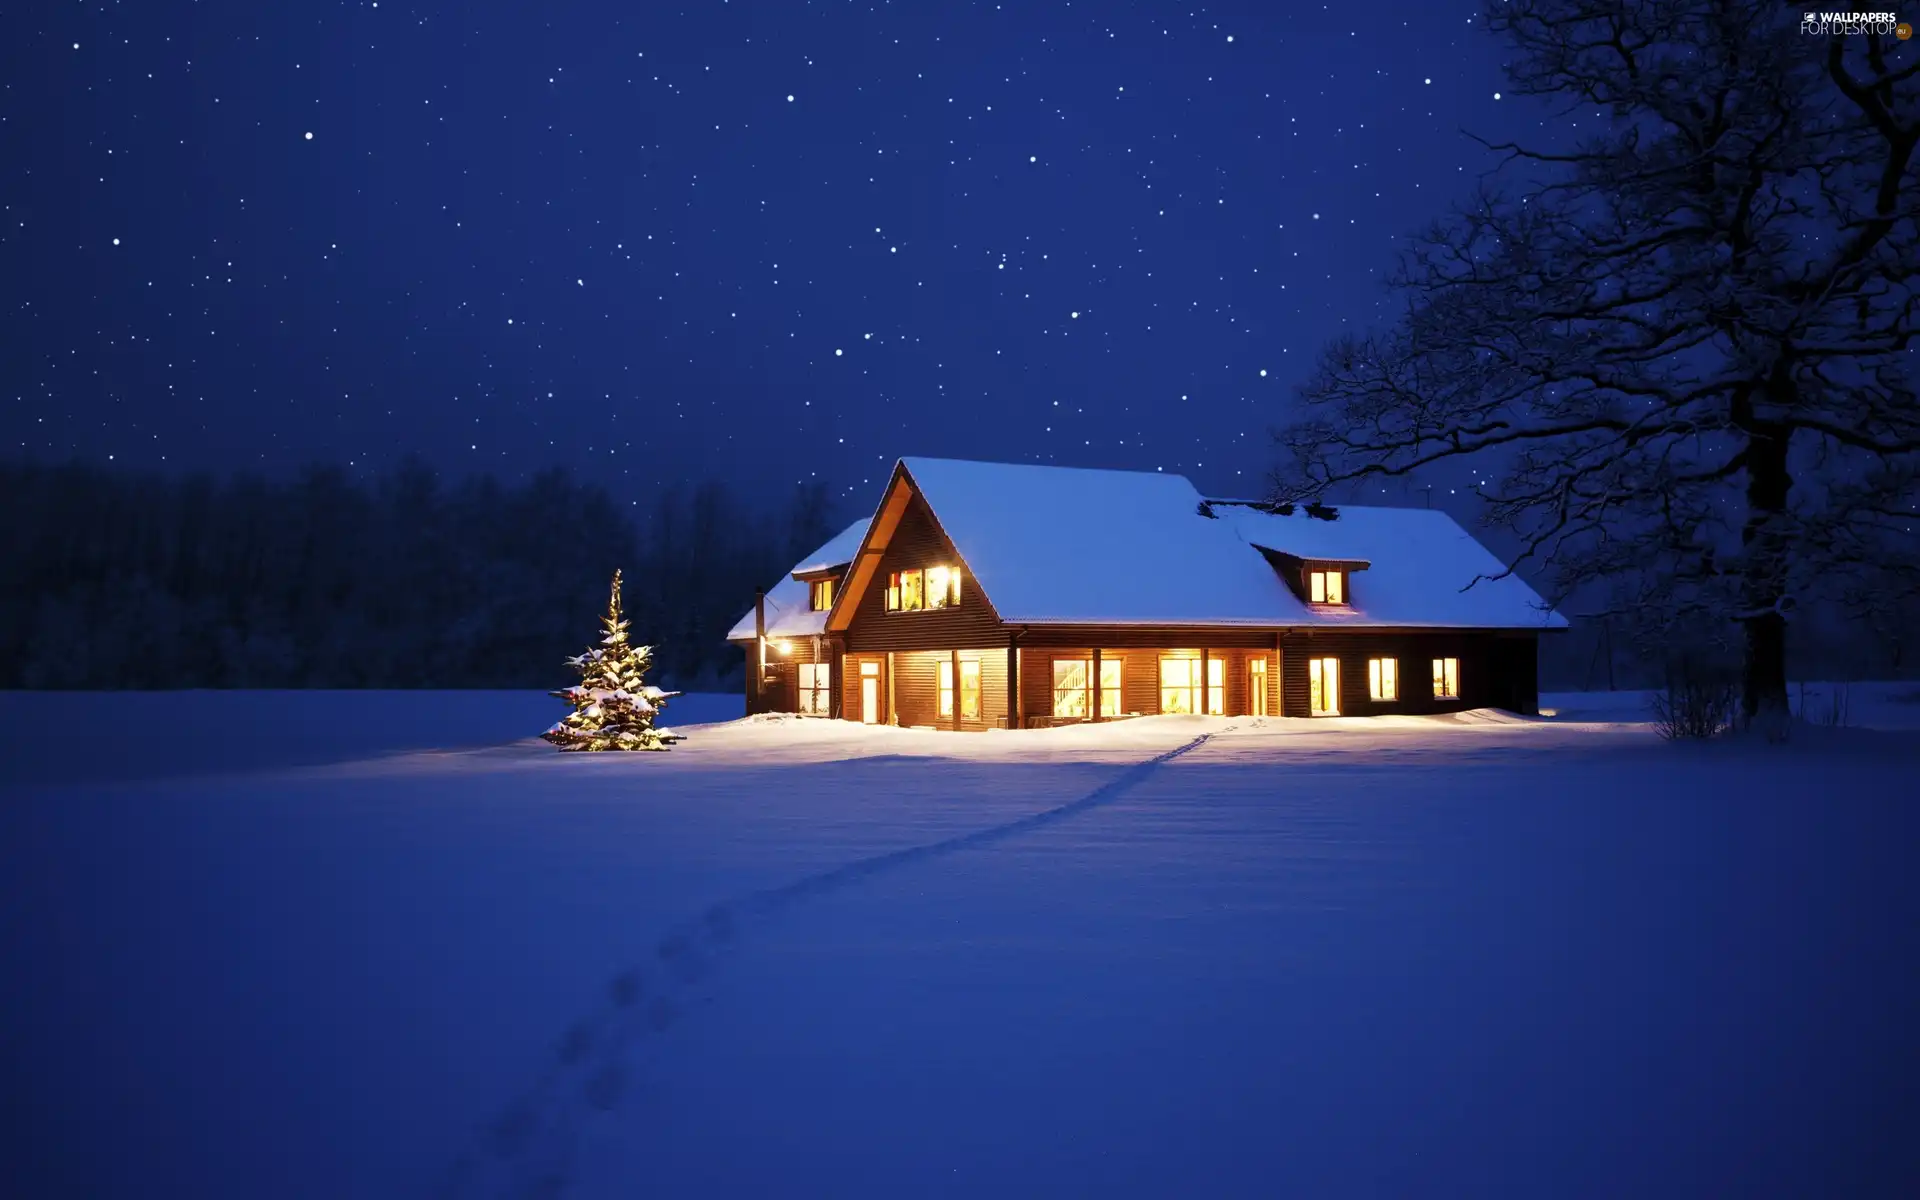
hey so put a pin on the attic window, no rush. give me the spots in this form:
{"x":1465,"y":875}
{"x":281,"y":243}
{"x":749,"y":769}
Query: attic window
{"x":1327,"y":587}
{"x":930,"y":587}
{"x":822,"y":595}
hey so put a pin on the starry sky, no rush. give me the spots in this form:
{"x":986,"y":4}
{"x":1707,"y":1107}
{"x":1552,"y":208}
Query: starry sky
{"x":757,"y":241}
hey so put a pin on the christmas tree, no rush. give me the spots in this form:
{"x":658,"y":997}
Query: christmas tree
{"x":613,"y":707}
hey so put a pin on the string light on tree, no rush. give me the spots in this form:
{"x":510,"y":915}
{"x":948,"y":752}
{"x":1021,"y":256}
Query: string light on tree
{"x":614,"y":708}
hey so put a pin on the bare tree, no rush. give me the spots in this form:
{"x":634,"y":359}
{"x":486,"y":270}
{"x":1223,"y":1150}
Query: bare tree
{"x":1683,"y":336}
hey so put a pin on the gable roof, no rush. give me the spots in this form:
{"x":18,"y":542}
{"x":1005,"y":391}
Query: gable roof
{"x":789,"y":611}
{"x":1070,"y":545}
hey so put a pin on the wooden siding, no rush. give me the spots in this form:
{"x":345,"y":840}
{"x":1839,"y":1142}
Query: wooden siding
{"x":1140,"y":676}
{"x":918,"y":542}
{"x":915,"y":676}
{"x":782,"y":690}
{"x":1146,"y":636}
{"x":1496,"y":671}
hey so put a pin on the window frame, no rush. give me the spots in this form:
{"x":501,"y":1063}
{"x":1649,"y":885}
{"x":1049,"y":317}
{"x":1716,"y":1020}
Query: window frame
{"x":1083,"y":691}
{"x":1112,"y":679}
{"x":1330,"y":584}
{"x":1383,"y":679}
{"x":1317,"y":683}
{"x":944,"y":688}
{"x":816,"y":698}
{"x":820,"y":595}
{"x":1259,"y":686}
{"x":969,"y":689}
{"x":1446,"y":678}
{"x":918,"y":581}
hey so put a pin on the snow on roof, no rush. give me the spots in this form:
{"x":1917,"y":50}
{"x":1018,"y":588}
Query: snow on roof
{"x":1420,"y":560}
{"x":1065,"y":544}
{"x":1054,"y":545}
{"x":789,"y":611}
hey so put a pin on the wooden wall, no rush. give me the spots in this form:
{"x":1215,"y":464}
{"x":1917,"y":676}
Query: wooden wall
{"x":1496,"y":671}
{"x":782,"y":690}
{"x":916,"y":543}
{"x":1140,"y":676}
{"x":915,"y":676}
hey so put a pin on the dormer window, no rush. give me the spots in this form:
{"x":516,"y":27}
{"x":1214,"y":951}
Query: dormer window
{"x":928,"y":587}
{"x":1327,"y":587}
{"x":821,"y":595}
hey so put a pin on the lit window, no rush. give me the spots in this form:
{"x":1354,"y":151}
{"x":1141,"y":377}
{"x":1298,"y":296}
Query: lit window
{"x":816,"y":684}
{"x":1110,"y":675}
{"x":1323,"y":687}
{"x":943,"y":587}
{"x":1257,"y":685}
{"x":1180,"y":685}
{"x":932,"y":587}
{"x":822,"y":595}
{"x":1069,"y":687}
{"x":1176,"y":684}
{"x":1326,"y":587}
{"x":1383,"y":679}
{"x":946,"y":687}
{"x":1446,"y":678}
{"x":970,"y":688}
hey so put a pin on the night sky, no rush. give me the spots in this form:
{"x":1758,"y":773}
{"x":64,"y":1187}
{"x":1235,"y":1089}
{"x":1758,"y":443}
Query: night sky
{"x":756,"y":241}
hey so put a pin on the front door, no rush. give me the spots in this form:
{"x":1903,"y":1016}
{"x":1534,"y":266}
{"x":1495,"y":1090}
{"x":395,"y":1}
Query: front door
{"x":870,"y":693}
{"x":1257,"y":685}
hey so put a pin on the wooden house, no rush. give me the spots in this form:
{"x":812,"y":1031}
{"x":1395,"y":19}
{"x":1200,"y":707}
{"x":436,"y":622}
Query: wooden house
{"x":999,"y":595}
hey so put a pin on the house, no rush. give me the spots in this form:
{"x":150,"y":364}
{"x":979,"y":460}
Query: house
{"x":1000,"y":595}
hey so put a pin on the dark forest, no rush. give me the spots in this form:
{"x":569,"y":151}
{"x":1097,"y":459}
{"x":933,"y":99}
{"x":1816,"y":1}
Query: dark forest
{"x":124,"y":580}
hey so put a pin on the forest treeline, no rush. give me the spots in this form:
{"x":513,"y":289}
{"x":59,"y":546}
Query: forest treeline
{"x":122,"y":580}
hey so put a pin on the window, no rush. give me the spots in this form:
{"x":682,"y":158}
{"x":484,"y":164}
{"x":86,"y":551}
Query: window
{"x":1069,"y":687}
{"x":1327,"y":587}
{"x":1323,"y":687}
{"x":969,"y":688}
{"x":1383,"y":679}
{"x":822,"y":595}
{"x":1071,"y":678}
{"x":1257,"y":685}
{"x":932,"y":587}
{"x":1446,"y":678}
{"x":816,"y":686}
{"x":943,"y":587}
{"x":1180,"y":685}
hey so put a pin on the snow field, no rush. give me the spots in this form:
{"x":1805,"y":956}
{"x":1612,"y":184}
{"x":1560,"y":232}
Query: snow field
{"x":1430,"y":956}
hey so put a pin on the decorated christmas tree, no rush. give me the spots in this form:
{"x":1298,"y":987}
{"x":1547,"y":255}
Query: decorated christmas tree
{"x":614,"y":708}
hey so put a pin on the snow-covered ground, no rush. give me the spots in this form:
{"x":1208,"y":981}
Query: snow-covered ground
{"x":378,"y":948}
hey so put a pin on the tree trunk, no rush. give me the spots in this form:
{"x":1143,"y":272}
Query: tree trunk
{"x":1763,"y":692}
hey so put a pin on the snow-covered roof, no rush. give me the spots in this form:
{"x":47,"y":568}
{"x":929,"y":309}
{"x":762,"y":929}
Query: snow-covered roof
{"x":788,"y":602}
{"x":1419,"y":562}
{"x":1068,"y":545}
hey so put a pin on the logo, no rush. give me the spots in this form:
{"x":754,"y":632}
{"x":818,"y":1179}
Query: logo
{"x":1829,"y":24}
